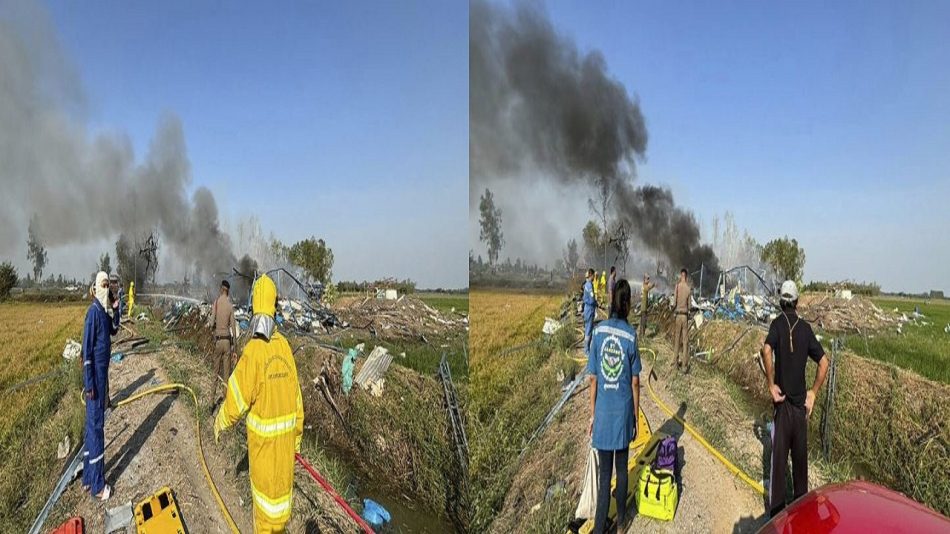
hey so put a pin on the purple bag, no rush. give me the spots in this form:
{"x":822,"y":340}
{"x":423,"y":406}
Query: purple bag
{"x":666,"y":454}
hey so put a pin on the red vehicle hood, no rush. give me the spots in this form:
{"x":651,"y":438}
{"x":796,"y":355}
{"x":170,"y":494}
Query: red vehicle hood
{"x":857,"y":507}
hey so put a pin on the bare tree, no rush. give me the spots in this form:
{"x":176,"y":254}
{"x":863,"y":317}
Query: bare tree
{"x":600,"y":207}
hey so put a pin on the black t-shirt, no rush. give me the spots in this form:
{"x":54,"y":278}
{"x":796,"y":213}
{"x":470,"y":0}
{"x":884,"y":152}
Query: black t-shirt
{"x":790,"y":364}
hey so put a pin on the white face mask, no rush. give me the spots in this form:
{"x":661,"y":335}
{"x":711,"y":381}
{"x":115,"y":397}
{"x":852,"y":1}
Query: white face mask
{"x":102,"y":293}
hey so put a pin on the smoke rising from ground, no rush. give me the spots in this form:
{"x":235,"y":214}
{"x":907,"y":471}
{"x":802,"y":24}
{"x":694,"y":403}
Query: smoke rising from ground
{"x":81,"y":187}
{"x":540,"y":107}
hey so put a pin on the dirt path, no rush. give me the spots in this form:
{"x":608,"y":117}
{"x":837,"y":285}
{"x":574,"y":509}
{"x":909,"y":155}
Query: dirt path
{"x":711,"y":498}
{"x":152,"y":443}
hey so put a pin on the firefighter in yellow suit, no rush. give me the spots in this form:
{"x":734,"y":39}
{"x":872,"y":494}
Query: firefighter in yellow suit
{"x":264,"y":386}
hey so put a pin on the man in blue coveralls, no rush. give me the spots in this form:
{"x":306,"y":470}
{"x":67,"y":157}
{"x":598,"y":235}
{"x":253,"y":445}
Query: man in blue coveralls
{"x":590,"y":308}
{"x":96,"y":351}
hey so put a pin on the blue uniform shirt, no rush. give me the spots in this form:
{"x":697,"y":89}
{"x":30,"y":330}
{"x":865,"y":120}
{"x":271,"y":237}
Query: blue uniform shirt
{"x":590,"y":303}
{"x":614,"y":359}
{"x":97,"y":347}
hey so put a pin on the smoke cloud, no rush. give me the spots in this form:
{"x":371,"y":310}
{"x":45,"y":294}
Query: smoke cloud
{"x":84,"y":188}
{"x":541,"y":108}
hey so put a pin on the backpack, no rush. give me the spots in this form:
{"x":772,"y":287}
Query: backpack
{"x":666,"y":455}
{"x":657,"y":493}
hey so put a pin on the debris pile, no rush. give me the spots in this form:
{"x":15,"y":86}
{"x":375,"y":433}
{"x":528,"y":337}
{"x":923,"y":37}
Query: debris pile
{"x":855,"y":314}
{"x":404,"y":318}
{"x":306,"y":317}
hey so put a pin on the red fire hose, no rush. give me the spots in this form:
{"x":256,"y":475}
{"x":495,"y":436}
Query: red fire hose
{"x":336,"y":496}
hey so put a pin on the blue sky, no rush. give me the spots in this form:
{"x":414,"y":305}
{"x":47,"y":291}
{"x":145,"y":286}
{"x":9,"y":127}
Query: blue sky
{"x":829,"y":123}
{"x":346,"y":120}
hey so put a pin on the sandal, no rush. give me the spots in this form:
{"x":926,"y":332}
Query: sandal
{"x":105,"y":494}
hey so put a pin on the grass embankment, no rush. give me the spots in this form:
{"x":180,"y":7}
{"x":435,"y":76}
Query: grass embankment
{"x":399,"y":440}
{"x":924,"y":348}
{"x":888,"y":425}
{"x":37,"y":416}
{"x":510,"y":394}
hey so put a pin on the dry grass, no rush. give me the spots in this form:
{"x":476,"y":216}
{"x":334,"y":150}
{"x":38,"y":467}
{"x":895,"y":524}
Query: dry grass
{"x":889,"y":425}
{"x":36,"y":416}
{"x":511,"y":393}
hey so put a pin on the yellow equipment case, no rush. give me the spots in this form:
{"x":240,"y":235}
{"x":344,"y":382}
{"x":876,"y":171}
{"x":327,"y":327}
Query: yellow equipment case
{"x":158,"y":514}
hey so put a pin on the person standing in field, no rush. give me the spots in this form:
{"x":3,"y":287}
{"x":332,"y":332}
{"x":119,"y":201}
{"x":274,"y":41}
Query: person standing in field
{"x":645,"y":288}
{"x":792,"y":342}
{"x":681,"y":321}
{"x":590,"y":308}
{"x":614,"y":366}
{"x":97,"y":335}
{"x":224,"y":330}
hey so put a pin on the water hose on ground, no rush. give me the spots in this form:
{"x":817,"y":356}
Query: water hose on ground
{"x":201,"y":454}
{"x":757,"y":486}
{"x":336,"y":496}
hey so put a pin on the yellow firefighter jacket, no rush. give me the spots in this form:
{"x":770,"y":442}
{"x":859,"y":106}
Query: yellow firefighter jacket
{"x":264,"y":386}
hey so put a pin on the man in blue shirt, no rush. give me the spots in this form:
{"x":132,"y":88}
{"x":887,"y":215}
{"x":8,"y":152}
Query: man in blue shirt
{"x":96,"y":350}
{"x":590,"y":308}
{"x":614,"y":366}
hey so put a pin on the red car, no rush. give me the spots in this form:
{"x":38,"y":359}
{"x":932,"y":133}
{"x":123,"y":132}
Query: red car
{"x":856,"y":507}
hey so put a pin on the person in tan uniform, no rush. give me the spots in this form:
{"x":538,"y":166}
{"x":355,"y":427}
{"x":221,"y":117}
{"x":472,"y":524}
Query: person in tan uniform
{"x":681,"y":324}
{"x":224,"y":329}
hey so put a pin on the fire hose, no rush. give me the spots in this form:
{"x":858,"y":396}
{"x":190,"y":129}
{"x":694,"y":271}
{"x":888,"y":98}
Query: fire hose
{"x":201,"y":454}
{"x":757,"y":486}
{"x":336,"y":496}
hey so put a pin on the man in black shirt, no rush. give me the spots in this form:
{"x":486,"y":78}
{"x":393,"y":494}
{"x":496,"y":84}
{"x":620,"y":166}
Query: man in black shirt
{"x":792,"y":341}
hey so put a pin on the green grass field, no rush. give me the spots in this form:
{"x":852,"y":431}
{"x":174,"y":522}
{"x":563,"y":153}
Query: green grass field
{"x":924,"y":349}
{"x":445,"y":302}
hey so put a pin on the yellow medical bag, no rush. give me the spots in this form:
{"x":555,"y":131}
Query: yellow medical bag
{"x":657,"y":493}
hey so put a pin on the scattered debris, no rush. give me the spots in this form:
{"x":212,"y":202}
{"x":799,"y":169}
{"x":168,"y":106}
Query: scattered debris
{"x":374,"y":368}
{"x":374,"y":513}
{"x":349,"y":363}
{"x":141,"y":317}
{"x":856,"y":314}
{"x":72,"y":350}
{"x":455,"y":415}
{"x":551,"y":326}
{"x":404,"y":318}
{"x":62,"y":450}
{"x":387,"y":294}
{"x":118,"y":518}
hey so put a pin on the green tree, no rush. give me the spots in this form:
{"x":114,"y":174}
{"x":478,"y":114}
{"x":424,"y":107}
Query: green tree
{"x":786,"y":257}
{"x":490,"y":222}
{"x":314,"y":257}
{"x":8,"y":279}
{"x":36,"y":253}
{"x":105,"y":263}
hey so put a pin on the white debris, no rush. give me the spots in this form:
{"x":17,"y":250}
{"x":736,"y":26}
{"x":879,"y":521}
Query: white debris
{"x":62,"y":450}
{"x":698,"y":319}
{"x":844,"y":294}
{"x":72,"y":350}
{"x":551,"y":326}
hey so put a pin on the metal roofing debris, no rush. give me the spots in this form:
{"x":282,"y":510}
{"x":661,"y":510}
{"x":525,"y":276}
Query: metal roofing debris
{"x":374,"y":368}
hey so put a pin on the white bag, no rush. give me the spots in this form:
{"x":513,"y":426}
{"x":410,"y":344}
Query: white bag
{"x":587,"y":507}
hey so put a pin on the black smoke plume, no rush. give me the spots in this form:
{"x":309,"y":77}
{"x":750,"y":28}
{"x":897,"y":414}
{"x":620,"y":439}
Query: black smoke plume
{"x":539,"y":104}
